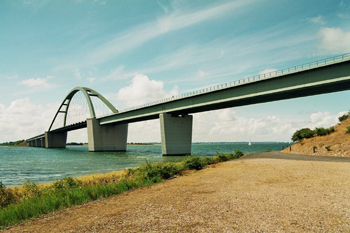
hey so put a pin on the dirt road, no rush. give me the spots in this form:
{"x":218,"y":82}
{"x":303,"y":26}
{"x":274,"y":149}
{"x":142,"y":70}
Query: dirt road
{"x":266,"y":192}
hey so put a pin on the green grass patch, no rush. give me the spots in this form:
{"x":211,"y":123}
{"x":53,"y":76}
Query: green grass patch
{"x":35,"y":200}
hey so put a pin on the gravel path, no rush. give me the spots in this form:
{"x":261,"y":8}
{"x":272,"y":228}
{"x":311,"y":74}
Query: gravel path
{"x":265,"y":192}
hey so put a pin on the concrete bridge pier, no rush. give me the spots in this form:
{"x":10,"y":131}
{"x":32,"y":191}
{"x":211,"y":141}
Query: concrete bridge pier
{"x":42,"y":142}
{"x":176,"y":134}
{"x":38,"y":142}
{"x":106,"y":137}
{"x":55,"y":140}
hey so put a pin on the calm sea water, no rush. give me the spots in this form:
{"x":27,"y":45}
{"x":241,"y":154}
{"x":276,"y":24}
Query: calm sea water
{"x":18,"y":164}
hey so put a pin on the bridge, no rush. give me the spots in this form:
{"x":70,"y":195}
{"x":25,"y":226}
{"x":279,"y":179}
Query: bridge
{"x":109,"y":132}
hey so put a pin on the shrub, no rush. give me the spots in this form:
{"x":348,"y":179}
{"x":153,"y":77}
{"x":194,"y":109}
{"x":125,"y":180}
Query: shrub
{"x":302,"y":133}
{"x":66,"y":183}
{"x":348,"y":130}
{"x":208,"y":160}
{"x":149,"y":171}
{"x":192,"y":162}
{"x":31,"y":189}
{"x":322,"y":131}
{"x":238,"y":154}
{"x":328,"y":148}
{"x":343,"y":117}
{"x":6,"y":196}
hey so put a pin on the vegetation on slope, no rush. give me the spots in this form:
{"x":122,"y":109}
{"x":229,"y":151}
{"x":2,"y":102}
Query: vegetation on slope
{"x":334,"y":141}
{"x":33,"y":200}
{"x":15,"y":143}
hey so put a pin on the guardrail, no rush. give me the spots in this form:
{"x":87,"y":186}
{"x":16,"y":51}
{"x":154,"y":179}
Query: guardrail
{"x":297,"y":68}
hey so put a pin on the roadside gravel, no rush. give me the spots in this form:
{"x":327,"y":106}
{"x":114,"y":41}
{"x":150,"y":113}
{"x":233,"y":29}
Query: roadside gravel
{"x":266,"y":192}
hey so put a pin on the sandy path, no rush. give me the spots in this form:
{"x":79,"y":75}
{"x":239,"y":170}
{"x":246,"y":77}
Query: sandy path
{"x":266,"y":192}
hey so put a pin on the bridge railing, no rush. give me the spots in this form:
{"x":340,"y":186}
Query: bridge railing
{"x":292,"y":69}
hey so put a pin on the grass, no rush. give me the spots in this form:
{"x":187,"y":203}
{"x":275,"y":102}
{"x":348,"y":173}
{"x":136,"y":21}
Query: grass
{"x":33,"y":200}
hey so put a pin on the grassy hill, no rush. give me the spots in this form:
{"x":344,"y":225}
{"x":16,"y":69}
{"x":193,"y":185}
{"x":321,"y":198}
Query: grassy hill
{"x":335,"y":144}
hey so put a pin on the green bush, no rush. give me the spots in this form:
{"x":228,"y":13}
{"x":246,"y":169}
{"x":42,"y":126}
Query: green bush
{"x":207,"y":160}
{"x":192,"y":162}
{"x":348,"y":130}
{"x":301,"y":134}
{"x":343,"y":117}
{"x":238,"y":154}
{"x":322,"y":131}
{"x":162,"y":170}
{"x":222,"y":157}
{"x":65,"y":184}
{"x":31,"y":189}
{"x":6,"y":196}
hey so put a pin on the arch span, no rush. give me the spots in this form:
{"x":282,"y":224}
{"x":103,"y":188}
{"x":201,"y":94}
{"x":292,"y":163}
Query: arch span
{"x":87,"y":92}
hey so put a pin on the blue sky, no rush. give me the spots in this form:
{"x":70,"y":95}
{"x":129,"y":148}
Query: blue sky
{"x":137,"y":51}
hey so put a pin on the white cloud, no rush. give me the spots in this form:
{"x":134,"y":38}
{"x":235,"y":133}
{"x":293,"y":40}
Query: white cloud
{"x":22,"y":119}
{"x":318,"y":20}
{"x":141,"y":34}
{"x":143,"y":90}
{"x":322,"y":119}
{"x":38,"y":83}
{"x":227,"y":125}
{"x":334,"y":40}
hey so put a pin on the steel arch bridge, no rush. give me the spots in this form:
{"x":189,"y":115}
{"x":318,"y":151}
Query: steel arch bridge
{"x":56,"y":138}
{"x":64,"y":107}
{"x":109,"y":133}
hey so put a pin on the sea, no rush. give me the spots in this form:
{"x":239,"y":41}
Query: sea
{"x":40,"y":165}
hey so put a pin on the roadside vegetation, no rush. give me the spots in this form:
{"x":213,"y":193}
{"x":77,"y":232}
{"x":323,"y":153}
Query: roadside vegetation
{"x":16,"y":143}
{"x":299,"y":135}
{"x":32,"y":199}
{"x":344,"y":117}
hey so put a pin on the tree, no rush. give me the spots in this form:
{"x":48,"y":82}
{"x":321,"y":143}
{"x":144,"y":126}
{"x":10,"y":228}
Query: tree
{"x":302,"y":133}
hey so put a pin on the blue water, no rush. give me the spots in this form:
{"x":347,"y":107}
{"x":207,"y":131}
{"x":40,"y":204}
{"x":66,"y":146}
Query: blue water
{"x":18,"y":164}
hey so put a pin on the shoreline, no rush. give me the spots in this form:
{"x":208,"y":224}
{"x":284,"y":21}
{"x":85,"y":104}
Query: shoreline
{"x":287,"y":195}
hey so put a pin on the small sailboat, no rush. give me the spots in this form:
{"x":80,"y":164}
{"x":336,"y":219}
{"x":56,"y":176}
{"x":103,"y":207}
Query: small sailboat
{"x":250,"y":143}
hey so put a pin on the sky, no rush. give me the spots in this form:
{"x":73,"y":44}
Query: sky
{"x":136,"y":51}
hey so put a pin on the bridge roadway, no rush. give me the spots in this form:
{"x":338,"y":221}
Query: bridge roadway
{"x":320,"y":77}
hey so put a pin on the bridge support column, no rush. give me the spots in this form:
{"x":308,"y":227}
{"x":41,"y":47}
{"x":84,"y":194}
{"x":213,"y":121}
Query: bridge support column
{"x":55,"y":140}
{"x":42,"y":142}
{"x":38,"y":142}
{"x":106,"y":137}
{"x":176,"y":134}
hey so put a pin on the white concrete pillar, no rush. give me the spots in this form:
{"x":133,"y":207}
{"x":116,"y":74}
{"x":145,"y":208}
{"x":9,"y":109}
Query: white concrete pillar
{"x":176,"y":134}
{"x":106,"y":137}
{"x":55,"y":140}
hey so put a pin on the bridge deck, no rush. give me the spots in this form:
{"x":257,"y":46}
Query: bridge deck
{"x":323,"y":79}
